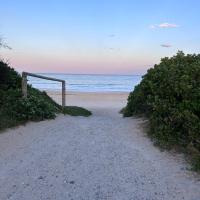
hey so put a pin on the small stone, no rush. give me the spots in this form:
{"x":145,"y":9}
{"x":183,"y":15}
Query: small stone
{"x":9,"y":195}
{"x":71,"y":182}
{"x":40,"y":177}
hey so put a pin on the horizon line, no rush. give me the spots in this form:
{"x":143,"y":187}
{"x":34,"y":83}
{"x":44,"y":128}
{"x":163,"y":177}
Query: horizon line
{"x":96,"y":74}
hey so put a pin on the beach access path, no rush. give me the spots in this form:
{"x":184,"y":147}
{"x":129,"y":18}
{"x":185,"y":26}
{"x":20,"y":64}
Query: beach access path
{"x":102,"y":157}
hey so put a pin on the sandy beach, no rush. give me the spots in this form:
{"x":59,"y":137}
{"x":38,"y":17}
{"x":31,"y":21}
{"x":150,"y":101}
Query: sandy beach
{"x":102,"y":157}
{"x":93,"y":100}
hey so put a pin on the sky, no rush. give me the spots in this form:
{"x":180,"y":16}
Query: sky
{"x":97,"y":36}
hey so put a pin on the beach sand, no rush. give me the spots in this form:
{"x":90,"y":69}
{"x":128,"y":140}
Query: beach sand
{"x":92,"y":100}
{"x":102,"y":157}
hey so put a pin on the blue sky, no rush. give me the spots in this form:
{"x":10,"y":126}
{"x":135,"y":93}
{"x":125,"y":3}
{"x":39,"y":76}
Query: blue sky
{"x":97,"y":36}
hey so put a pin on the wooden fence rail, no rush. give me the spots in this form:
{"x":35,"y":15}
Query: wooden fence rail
{"x":24,"y":84}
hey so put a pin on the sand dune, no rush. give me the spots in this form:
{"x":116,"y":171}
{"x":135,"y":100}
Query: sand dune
{"x":104,"y":156}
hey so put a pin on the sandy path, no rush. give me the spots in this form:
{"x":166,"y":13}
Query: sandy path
{"x":101,"y":157}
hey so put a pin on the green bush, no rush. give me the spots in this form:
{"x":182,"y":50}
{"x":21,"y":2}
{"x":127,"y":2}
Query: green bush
{"x":35,"y":107}
{"x":76,"y":111}
{"x":9,"y":78}
{"x":169,"y":95}
{"x":14,"y":109}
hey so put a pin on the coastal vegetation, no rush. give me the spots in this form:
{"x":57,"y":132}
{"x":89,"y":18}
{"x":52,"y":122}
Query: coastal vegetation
{"x":15,"y":110}
{"x":169,"y":96}
{"x":76,"y":111}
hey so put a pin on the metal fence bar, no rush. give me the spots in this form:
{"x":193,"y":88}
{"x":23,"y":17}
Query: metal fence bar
{"x":24,"y":84}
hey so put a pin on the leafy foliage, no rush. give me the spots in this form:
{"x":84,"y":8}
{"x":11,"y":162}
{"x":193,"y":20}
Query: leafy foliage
{"x":9,"y":78}
{"x":169,"y":95}
{"x":76,"y":111}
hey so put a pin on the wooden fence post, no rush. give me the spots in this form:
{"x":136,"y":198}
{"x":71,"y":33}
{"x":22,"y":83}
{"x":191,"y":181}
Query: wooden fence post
{"x":24,"y":84}
{"x":63,"y":94}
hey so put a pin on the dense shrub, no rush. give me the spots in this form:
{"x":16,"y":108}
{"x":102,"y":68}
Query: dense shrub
{"x":9,"y":78}
{"x":169,"y":95}
{"x":76,"y":111}
{"x":35,"y":107}
{"x":15,"y":109}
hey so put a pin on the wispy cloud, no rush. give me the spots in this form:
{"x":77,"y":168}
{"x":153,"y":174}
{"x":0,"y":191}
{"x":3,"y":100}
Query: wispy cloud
{"x":113,"y":48}
{"x":111,"y":35}
{"x":164,"y":25}
{"x":166,"y":45}
{"x":152,"y":26}
{"x":168,"y":25}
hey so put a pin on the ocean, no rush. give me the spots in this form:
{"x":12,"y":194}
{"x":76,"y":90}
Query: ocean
{"x":87,"y":83}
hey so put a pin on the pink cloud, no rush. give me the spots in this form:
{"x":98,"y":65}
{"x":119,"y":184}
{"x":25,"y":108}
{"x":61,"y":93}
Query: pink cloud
{"x":168,"y":25}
